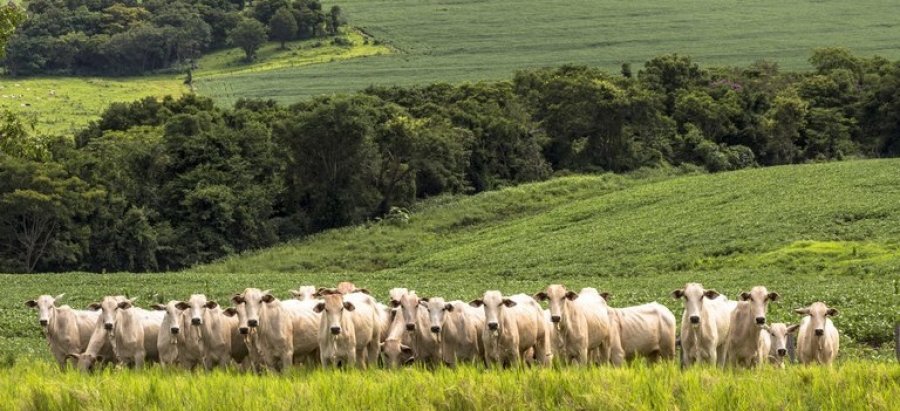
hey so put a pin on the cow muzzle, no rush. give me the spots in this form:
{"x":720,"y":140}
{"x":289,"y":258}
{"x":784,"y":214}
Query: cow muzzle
{"x":435,"y":329}
{"x":410,"y":327}
{"x":252,"y":323}
{"x":555,"y":319}
{"x":760,"y":320}
{"x":781,"y":352}
{"x":196,"y":321}
{"x":44,"y":323}
{"x":493,"y":326}
{"x":174,"y":330}
{"x":695,"y":319}
{"x":820,"y":332}
{"x":244,"y":330}
{"x":335,"y":330}
{"x":108,"y":326}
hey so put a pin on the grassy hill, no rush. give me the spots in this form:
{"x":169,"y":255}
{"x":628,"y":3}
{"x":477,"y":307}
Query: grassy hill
{"x":827,"y":232}
{"x":460,"y":40}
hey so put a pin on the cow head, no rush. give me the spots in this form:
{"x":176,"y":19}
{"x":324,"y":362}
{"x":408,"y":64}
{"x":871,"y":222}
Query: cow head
{"x":239,"y":310}
{"x":394,"y":354}
{"x":779,"y":333}
{"x":493,"y":302}
{"x":46,"y":307}
{"x":437,"y":308}
{"x":173,"y":316}
{"x":694,"y":294}
{"x":759,"y":298}
{"x":396,"y":294}
{"x":109,"y":307}
{"x":86,"y":362}
{"x":196,"y":307}
{"x":304,"y":293}
{"x":346,"y":287}
{"x":558,"y":296}
{"x":253,"y":300}
{"x":817,"y":313}
{"x":333,"y":307}
{"x":409,"y":306}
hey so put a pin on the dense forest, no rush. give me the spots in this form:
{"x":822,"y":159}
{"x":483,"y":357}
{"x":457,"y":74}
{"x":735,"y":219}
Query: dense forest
{"x":130,"y":37}
{"x":164,"y":184}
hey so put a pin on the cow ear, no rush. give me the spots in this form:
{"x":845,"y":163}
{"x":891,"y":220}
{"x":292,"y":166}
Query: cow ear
{"x":362,"y":290}
{"x":745,"y":296}
{"x":31,"y":303}
{"x":296,"y":293}
{"x":230,"y":312}
{"x":711,"y":294}
{"x":476,"y":303}
{"x":182,"y":305}
{"x":211,"y":304}
{"x":268,"y":298}
{"x":571,"y":295}
{"x":394,"y":303}
{"x":405,"y":349}
{"x":792,"y":328}
{"x":508,"y":303}
{"x":59,"y":297}
{"x":449,"y":307}
{"x":158,"y":307}
{"x":319,"y":307}
{"x":802,"y":311}
{"x":423,"y":303}
{"x":409,"y":360}
{"x":541,"y":296}
{"x":606,"y":296}
{"x":424,"y":299}
{"x":94,"y":306}
{"x":773,"y":296}
{"x":237,"y":299}
{"x":320,"y":292}
{"x":832,"y":312}
{"x":349,"y":306}
{"x":677,"y":294}
{"x":125,"y":305}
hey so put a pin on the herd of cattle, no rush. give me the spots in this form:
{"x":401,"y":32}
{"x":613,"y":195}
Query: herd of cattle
{"x":346,"y":326}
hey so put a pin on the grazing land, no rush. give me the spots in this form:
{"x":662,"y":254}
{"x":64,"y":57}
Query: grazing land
{"x":828,"y":232}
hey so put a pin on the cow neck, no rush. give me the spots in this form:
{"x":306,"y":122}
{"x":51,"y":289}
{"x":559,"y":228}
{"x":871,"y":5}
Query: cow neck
{"x":744,"y":317}
{"x":570,"y":317}
{"x":212,"y":327}
{"x":98,"y":338}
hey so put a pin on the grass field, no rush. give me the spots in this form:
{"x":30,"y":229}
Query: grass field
{"x":853,"y":386}
{"x":63,"y":105}
{"x":466,"y":40}
{"x":827,"y":232}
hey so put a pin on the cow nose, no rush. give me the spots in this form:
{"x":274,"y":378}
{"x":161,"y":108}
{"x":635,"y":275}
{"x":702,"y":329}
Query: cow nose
{"x":244,"y":330}
{"x":195,"y":321}
{"x":820,"y":332}
{"x":174,"y":330}
{"x":492,"y":326}
{"x":252,"y":323}
{"x":435,"y":329}
{"x":108,"y":326}
{"x":335,"y":330}
{"x":695,"y":319}
{"x":410,"y":327}
{"x":760,"y":320}
{"x":554,"y":318}
{"x":43,"y":323}
{"x":782,"y":352}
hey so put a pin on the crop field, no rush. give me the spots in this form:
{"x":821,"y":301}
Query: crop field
{"x":470,"y":40}
{"x":828,"y":232}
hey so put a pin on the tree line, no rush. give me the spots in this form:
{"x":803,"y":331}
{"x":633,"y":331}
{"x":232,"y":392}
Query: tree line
{"x":130,"y":37}
{"x":164,"y":184}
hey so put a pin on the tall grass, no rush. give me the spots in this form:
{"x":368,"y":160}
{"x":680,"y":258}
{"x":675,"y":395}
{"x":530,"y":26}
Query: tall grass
{"x":856,"y":385}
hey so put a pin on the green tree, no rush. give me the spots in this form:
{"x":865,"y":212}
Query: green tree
{"x":16,"y":139}
{"x":785,"y":122}
{"x":283,"y":26}
{"x":10,"y":17}
{"x":249,"y":35}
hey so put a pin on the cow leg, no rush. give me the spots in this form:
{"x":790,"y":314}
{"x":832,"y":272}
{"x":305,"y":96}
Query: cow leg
{"x":139,"y":360}
{"x":372,"y":356}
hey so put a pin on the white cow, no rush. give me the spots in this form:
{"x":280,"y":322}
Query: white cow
{"x":747,"y":320}
{"x":133,"y":330}
{"x":646,"y":330}
{"x":349,"y":330}
{"x":581,"y":321}
{"x":100,"y":345}
{"x":304,"y":293}
{"x":704,"y":325}
{"x":776,"y":335}
{"x":216,"y":329}
{"x":245,"y":342}
{"x":513,"y":326}
{"x":68,"y":331}
{"x":424,"y":343}
{"x":818,"y":340}
{"x":273,"y":324}
{"x":305,"y":327}
{"x":459,"y":329}
{"x":170,"y":338}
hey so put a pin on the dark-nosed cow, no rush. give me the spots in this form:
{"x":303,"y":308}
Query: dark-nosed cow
{"x":68,"y":331}
{"x":582,"y":323}
{"x":818,"y":339}
{"x":646,"y":330}
{"x":459,"y":327}
{"x":747,"y":320}
{"x":349,"y":330}
{"x":704,"y":324}
{"x":513,"y":326}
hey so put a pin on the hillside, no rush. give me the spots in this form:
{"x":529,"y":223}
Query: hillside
{"x":468,"y":40}
{"x":813,"y":232}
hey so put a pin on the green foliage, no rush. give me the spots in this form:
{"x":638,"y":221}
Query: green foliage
{"x":249,"y":35}
{"x":10,"y":17}
{"x":283,"y":26}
